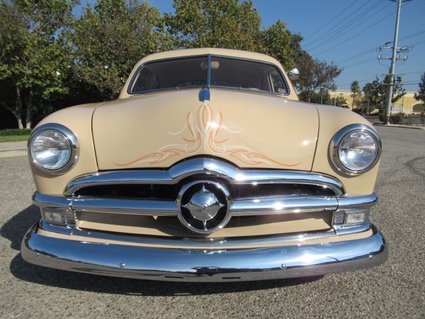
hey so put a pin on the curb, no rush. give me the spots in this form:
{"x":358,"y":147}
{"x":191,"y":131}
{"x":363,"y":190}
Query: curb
{"x":13,"y":153}
{"x":13,"y":149}
{"x":13,"y":146}
{"x":400,"y":126}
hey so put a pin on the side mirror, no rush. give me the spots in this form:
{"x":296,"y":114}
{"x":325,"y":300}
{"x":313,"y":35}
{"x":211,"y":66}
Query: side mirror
{"x":294,"y":74}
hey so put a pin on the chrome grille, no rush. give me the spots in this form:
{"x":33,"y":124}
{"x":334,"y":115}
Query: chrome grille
{"x":154,"y":192}
{"x":145,"y":201}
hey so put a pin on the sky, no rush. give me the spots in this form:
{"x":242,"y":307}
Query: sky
{"x":349,"y":33}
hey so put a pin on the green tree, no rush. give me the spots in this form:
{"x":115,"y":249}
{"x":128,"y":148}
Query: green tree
{"x":277,"y":42}
{"x":340,"y":101}
{"x":375,"y":93}
{"x":297,"y":53}
{"x":109,"y":39}
{"x":420,"y":95}
{"x":33,"y":59}
{"x":398,"y":90}
{"x":323,"y":97}
{"x":220,"y":23}
{"x":356,"y":93}
{"x":231,"y":24}
{"x":315,"y":75}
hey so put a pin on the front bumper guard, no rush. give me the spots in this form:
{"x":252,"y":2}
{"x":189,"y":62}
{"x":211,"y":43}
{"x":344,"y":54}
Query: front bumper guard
{"x":203,"y":265}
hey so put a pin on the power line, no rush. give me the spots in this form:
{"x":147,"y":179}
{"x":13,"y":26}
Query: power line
{"x":410,"y":73}
{"x":373,"y":49}
{"x":418,"y":43}
{"x":368,"y":17}
{"x":334,"y":33}
{"x":356,"y":56}
{"x":381,"y":78}
{"x":357,"y":34}
{"x":337,"y":25}
{"x":411,"y":35}
{"x":357,"y":63}
{"x":333,"y":19}
{"x":361,"y":81}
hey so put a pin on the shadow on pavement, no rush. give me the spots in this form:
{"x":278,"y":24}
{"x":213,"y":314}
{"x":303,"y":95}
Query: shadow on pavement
{"x":14,"y":230}
{"x":16,"y":227}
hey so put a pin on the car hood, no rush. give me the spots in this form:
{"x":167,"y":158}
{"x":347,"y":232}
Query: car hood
{"x":248,"y":129}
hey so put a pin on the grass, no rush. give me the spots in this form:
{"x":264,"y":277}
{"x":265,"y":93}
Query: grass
{"x":14,"y":138}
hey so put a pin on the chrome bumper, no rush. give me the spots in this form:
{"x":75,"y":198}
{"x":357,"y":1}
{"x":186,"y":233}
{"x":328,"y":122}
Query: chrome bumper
{"x":203,"y":265}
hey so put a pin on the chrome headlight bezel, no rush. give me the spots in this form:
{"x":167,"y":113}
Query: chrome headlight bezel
{"x":69,"y":137}
{"x":336,"y":143}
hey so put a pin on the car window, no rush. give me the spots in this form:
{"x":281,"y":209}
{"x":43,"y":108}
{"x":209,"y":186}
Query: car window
{"x":176,"y":73}
{"x":278,"y":84}
{"x":193,"y":72}
{"x":245,"y":74}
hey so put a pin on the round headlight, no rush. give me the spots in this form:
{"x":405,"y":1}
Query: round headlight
{"x":53,"y":148}
{"x":355,"y":149}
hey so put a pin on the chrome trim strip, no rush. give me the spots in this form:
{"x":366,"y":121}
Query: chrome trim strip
{"x":198,"y":243}
{"x":203,"y":266}
{"x":347,"y":230}
{"x":239,"y":207}
{"x":207,"y":166}
{"x":125,"y":206}
{"x":282,"y":205}
{"x":345,"y":202}
{"x":42,"y":200}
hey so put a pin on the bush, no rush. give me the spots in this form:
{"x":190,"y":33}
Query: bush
{"x":413,"y":120}
{"x":397,"y":118}
{"x":10,"y":132}
{"x":401,"y":118}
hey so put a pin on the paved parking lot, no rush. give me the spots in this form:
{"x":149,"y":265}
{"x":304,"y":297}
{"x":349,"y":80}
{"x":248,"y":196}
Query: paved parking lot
{"x":392,"y":290}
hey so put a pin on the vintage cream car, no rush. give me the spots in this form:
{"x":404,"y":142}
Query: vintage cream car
{"x":207,"y":168}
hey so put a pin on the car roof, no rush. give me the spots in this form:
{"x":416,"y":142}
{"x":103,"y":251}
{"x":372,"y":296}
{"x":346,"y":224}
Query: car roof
{"x":213,"y":51}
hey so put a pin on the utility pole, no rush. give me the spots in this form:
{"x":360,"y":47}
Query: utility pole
{"x":392,"y":67}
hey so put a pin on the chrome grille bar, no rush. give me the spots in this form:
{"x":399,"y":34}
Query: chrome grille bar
{"x":203,"y":166}
{"x":239,"y":207}
{"x":282,"y":205}
{"x":125,"y":206}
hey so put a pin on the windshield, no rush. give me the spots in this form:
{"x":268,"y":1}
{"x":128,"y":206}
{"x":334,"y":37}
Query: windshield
{"x":208,"y":71}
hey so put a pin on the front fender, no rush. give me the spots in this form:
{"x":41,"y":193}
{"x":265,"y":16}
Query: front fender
{"x":78,"y":119}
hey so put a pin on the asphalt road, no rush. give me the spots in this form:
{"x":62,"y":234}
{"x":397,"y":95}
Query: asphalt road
{"x":393,"y":290}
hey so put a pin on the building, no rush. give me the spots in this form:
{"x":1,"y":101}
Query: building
{"x":407,"y":104}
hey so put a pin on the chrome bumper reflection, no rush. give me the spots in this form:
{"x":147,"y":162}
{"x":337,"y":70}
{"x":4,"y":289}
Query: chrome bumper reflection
{"x":203,"y":265}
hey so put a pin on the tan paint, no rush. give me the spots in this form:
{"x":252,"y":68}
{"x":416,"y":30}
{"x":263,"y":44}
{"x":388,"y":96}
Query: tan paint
{"x":331,"y":120}
{"x":78,"y":120}
{"x":248,"y":129}
{"x":209,"y":246}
